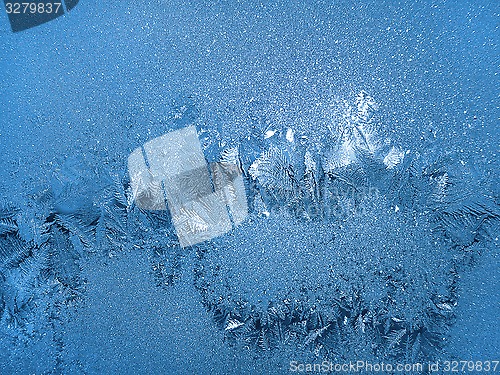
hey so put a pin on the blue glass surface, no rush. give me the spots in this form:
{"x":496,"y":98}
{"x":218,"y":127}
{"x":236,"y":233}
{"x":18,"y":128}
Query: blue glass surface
{"x":367,"y":137}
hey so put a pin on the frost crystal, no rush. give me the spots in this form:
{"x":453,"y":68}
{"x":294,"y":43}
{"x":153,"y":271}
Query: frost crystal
{"x":352,"y":245}
{"x":358,"y":250}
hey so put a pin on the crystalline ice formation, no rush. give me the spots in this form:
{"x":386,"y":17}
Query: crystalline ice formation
{"x":353,"y":246}
{"x":85,"y":214}
{"x":358,"y":250}
{"x":36,"y":278}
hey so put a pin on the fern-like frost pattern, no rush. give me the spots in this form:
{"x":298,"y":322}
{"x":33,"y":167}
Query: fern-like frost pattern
{"x":354,"y":246}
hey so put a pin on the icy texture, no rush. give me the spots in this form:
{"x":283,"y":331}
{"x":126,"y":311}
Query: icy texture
{"x":353,"y":246}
